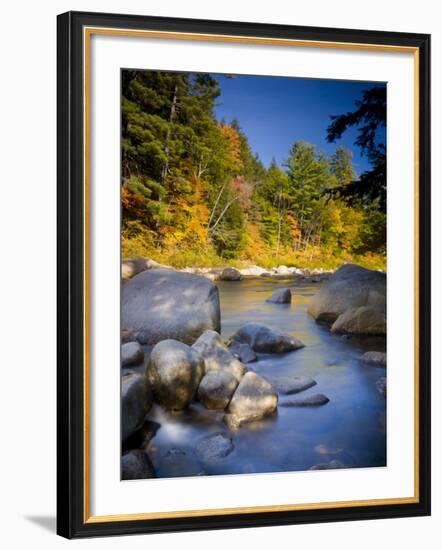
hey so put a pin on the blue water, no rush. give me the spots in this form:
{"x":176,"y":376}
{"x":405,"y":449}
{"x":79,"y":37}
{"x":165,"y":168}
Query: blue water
{"x":350,"y":429}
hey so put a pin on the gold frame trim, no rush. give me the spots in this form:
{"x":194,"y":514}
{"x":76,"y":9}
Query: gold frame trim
{"x":87,"y":34}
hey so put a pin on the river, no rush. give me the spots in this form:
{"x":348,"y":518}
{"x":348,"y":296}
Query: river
{"x":349,"y":431}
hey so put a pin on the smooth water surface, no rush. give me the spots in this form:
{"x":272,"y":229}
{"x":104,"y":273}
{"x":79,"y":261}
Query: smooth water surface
{"x":349,"y":430}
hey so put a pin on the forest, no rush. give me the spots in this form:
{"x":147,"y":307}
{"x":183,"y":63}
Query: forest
{"x":195,"y":194}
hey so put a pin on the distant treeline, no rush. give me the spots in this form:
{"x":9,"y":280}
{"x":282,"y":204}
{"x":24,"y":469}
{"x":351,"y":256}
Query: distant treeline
{"x":194,"y":193}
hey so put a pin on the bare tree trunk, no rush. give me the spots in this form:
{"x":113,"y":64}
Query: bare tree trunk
{"x":216,"y":204}
{"x":220,"y":217}
{"x":166,"y":148}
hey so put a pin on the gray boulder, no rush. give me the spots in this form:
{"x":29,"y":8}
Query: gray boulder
{"x":316,"y":400}
{"x":361,"y":320}
{"x":175,"y":371}
{"x":253,"y":399}
{"x":230,"y":274}
{"x":375,"y":358}
{"x":281,"y":296}
{"x":127,"y":335}
{"x":136,"y":465}
{"x":160,"y":304}
{"x":214,"y":447}
{"x":136,"y":402}
{"x":217,"y":356}
{"x":266,"y":340}
{"x":216,"y":389}
{"x":351,"y":286}
{"x":242,"y":351}
{"x":131,"y":354}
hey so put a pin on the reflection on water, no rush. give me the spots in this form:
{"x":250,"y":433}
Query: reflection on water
{"x":349,"y":431}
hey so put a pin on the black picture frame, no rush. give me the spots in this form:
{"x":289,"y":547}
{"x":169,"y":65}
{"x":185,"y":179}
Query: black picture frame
{"x":71,"y":520}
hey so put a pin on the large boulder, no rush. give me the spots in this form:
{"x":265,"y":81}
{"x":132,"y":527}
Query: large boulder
{"x":175,"y":371}
{"x":160,"y":304}
{"x":266,"y":340}
{"x":351,"y":286}
{"x":230,"y":274}
{"x":253,"y":399}
{"x":130,"y":268}
{"x":131,"y":354}
{"x":136,"y":464}
{"x":216,"y":389}
{"x":136,"y":402}
{"x":281,"y":296}
{"x":361,"y":320}
{"x":216,"y":355}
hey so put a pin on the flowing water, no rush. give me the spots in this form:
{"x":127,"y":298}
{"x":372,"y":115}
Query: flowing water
{"x":349,"y":431}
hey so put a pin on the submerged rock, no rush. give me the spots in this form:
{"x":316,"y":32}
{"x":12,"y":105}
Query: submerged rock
{"x":281,"y":296}
{"x":230,"y":274}
{"x":136,"y":402}
{"x":175,"y":371}
{"x":136,"y":464}
{"x":214,"y":447}
{"x":351,"y":286}
{"x":331,"y":465}
{"x":315,"y":400}
{"x":216,"y":389}
{"x":361,"y":320}
{"x":375,"y":358}
{"x":253,"y":399}
{"x":266,"y":340}
{"x":242,"y":351}
{"x":178,"y":462}
{"x":164,"y":304}
{"x":381,"y":386}
{"x":131,"y":354}
{"x":216,"y":355}
{"x":287,"y":385}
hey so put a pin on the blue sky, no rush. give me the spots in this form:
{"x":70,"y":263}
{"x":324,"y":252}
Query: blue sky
{"x":276,"y":111}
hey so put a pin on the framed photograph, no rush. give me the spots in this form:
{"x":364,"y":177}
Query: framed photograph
{"x":243,"y":246}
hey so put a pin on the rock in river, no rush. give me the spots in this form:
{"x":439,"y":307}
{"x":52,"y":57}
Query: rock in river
{"x":287,"y":385}
{"x":214,"y":447}
{"x":242,"y":351}
{"x":136,"y":401}
{"x":375,"y":358}
{"x":230,"y":274}
{"x":351,"y":286}
{"x":136,"y":465}
{"x":281,"y":296}
{"x":381,"y":386}
{"x":131,"y":354}
{"x":216,"y":389}
{"x":266,"y":340}
{"x":332,"y":465}
{"x":315,"y":400}
{"x":253,"y":399}
{"x":160,"y":304}
{"x":217,"y":356}
{"x":175,"y":371}
{"x":178,"y":462}
{"x":361,"y":320}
